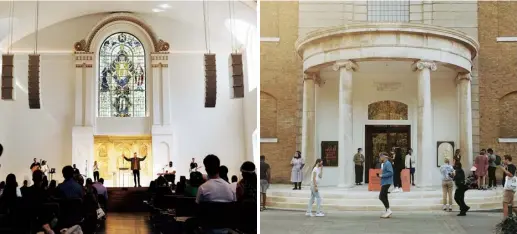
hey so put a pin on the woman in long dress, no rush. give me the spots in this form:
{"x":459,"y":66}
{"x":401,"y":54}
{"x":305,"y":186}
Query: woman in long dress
{"x":296,"y":173}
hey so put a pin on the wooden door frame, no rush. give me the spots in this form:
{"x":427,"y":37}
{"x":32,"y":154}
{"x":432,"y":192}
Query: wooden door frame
{"x":380,"y":128}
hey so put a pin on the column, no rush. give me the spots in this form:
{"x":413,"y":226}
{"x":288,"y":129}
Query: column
{"x":82,"y":132}
{"x":345,"y":124}
{"x":308,"y":123}
{"x":465,"y":120}
{"x":426,"y":158}
{"x":162,"y":135}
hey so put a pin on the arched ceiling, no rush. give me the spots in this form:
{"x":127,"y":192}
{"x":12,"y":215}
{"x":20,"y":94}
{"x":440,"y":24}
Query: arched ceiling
{"x":53,"y":12}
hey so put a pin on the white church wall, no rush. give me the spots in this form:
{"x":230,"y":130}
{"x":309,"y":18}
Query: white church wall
{"x":366,"y":90}
{"x":197,"y":131}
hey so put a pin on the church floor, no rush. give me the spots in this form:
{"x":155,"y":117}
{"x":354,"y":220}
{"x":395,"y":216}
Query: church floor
{"x":432,"y":222}
{"x":134,"y":223}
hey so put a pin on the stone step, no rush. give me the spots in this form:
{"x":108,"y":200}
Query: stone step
{"x":394,"y":201}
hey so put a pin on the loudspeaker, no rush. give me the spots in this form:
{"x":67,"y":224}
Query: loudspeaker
{"x":7,"y":76}
{"x":34,"y":89}
{"x":236,"y":75}
{"x":210,"y":81}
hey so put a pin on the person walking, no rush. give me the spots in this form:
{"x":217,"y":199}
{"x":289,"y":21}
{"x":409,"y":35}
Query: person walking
{"x":359,"y":166}
{"x":446,"y":170}
{"x":492,"y":166}
{"x":461,"y":188}
{"x":386,"y":181}
{"x":481,"y":164}
{"x":296,"y":172}
{"x":510,"y":185}
{"x":410,"y":164}
{"x":265,"y":180}
{"x":316,"y":175}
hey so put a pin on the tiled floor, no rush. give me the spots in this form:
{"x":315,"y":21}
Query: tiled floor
{"x":127,"y":223}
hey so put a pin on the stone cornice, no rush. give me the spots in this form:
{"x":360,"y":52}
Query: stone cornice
{"x":347,"y":64}
{"x":412,"y":28}
{"x":463,"y":76}
{"x":423,"y":64}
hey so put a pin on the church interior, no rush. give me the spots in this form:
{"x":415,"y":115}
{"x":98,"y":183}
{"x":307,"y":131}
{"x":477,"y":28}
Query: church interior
{"x":166,"y":81}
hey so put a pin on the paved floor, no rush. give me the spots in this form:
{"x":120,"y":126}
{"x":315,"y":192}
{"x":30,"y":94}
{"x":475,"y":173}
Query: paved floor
{"x":134,"y":223}
{"x":295,"y":222}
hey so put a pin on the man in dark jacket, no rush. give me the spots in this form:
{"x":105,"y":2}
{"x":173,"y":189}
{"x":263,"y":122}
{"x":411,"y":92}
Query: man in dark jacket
{"x":461,"y":188}
{"x":135,"y":166}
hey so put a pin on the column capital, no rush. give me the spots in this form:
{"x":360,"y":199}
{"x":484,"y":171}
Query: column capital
{"x":346,"y":64}
{"x":463,"y":76}
{"x":424,"y":64}
{"x":315,"y":76}
{"x":160,"y":59}
{"x":83,"y":59}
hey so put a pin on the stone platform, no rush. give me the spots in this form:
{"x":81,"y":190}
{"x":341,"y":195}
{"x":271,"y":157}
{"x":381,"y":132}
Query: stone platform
{"x":359,"y":198}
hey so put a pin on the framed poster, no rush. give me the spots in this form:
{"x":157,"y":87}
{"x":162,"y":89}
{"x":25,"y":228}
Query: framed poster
{"x":444,"y":149}
{"x":329,"y":153}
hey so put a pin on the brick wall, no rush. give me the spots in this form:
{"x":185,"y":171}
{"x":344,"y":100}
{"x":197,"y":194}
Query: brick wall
{"x":498,"y":75}
{"x":280,"y":73}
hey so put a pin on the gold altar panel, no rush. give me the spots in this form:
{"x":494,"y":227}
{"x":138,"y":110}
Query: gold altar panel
{"x":109,"y":150}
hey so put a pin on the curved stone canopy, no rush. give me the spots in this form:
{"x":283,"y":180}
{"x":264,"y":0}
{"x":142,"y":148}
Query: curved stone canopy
{"x":393,"y":41}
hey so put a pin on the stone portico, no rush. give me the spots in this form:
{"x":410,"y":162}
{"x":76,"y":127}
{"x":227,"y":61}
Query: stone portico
{"x":424,"y":67}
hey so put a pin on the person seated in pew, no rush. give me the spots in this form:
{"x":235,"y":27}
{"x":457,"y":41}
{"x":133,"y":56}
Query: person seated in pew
{"x":34,"y":199}
{"x":235,"y":180}
{"x":101,"y":190}
{"x":24,"y":188}
{"x":196,"y":179}
{"x":52,"y":188}
{"x":215,"y":189}
{"x":247,"y":187}
{"x":69,"y":189}
{"x":180,"y":187}
{"x":9,"y":199}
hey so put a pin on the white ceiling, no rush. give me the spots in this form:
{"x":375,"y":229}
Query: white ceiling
{"x":52,"y":12}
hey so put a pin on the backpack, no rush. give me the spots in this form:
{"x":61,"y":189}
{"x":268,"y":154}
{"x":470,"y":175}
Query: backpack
{"x":497,"y":160}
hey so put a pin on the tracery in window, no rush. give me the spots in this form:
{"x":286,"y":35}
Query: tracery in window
{"x":387,"y":110}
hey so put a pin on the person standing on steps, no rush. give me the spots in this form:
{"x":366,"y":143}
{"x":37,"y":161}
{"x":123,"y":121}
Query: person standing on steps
{"x":492,"y":166}
{"x":359,"y":166}
{"x":510,"y":185}
{"x":297,"y":173}
{"x":96,"y":175}
{"x":398,"y":166}
{"x":386,"y":181}
{"x":456,"y":157}
{"x":135,"y":166}
{"x":410,"y":164}
{"x":316,"y":175}
{"x":265,"y":180}
{"x":459,"y":195}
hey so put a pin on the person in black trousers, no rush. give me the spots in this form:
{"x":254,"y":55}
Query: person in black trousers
{"x":359,"y":166}
{"x":135,"y":166}
{"x":461,"y":188}
{"x":398,"y":166}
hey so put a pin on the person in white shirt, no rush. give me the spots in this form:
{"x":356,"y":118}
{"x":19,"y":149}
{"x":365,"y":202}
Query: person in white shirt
{"x":44,"y":168}
{"x":234,"y":183}
{"x":214,"y":189}
{"x":410,"y":164}
{"x":95,"y":171}
{"x":170,"y":170}
{"x":316,"y":175}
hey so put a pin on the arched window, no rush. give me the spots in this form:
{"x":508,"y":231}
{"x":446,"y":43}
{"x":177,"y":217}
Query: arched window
{"x":387,"y":110}
{"x":122,"y":77}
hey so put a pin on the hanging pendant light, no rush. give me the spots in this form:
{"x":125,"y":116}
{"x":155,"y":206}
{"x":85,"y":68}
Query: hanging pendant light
{"x":8,"y":63}
{"x":210,"y":64}
{"x":34,"y":65}
{"x":235,"y":60}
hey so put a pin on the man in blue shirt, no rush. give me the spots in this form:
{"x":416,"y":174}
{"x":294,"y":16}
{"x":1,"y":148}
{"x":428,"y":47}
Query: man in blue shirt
{"x":386,"y":181}
{"x":70,"y":189}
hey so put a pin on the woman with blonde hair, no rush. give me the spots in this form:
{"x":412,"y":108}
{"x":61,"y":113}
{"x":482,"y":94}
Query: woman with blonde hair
{"x":316,"y":175}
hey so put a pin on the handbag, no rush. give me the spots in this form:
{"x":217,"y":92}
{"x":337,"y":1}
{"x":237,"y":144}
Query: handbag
{"x":100,"y":213}
{"x":511,"y":183}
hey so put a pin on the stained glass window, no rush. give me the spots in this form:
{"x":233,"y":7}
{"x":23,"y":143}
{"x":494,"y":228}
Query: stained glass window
{"x":388,"y":110}
{"x":122,"y":83}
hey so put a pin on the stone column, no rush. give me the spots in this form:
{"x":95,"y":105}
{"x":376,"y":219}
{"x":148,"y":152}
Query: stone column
{"x":345,"y":124}
{"x":465,"y":120}
{"x":425,"y":158}
{"x":308,"y":123}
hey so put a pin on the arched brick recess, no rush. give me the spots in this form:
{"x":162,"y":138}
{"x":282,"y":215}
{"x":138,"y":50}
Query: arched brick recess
{"x":508,"y":115}
{"x":268,"y":116}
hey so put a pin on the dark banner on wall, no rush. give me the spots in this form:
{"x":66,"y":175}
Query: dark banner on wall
{"x":329,"y":153}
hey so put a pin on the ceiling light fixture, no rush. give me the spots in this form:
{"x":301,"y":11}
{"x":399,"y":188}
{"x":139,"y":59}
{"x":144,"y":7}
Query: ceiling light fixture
{"x":165,"y":6}
{"x":157,"y":10}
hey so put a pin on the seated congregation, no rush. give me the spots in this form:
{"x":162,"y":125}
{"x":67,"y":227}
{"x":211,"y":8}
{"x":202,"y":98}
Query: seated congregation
{"x":70,"y":207}
{"x":206,"y":204}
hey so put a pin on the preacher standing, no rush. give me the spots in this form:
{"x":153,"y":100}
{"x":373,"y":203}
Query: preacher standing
{"x":135,"y":166}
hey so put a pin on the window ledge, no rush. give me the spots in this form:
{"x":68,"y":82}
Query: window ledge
{"x":507,"y":140}
{"x":268,"y":140}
